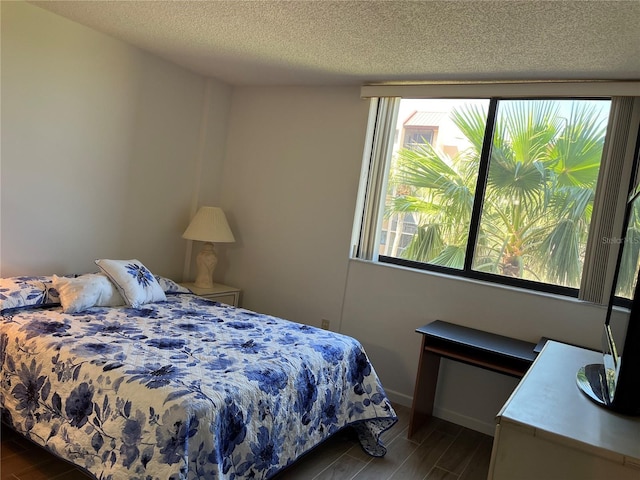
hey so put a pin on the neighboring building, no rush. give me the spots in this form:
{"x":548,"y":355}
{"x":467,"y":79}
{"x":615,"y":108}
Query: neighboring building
{"x":419,"y":128}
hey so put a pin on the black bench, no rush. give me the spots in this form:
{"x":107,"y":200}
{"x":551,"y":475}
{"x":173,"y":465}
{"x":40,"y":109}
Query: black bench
{"x":467,"y":345}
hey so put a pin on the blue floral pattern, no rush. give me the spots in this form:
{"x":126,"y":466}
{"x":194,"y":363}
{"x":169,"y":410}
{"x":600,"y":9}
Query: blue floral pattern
{"x":169,"y":286}
{"x":140,"y":274}
{"x":20,"y":292}
{"x":184,"y":389}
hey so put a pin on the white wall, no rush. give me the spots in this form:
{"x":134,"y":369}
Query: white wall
{"x":100,"y":148}
{"x":290,"y":179}
{"x":290,"y":185}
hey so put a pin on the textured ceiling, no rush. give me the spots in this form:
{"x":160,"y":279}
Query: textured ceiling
{"x":353,"y":42}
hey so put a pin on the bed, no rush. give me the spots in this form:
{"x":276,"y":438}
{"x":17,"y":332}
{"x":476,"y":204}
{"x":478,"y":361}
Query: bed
{"x":180,"y":388}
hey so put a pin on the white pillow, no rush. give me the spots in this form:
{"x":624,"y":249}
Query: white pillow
{"x":86,"y":291}
{"x":134,"y":281}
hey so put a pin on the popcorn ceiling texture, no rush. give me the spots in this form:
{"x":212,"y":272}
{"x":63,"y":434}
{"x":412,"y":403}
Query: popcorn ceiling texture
{"x":352,"y":42}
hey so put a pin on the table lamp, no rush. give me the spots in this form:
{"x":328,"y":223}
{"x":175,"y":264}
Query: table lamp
{"x":210,"y":226}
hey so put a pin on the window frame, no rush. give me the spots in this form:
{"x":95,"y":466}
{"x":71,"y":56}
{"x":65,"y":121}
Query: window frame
{"x":365,"y":219}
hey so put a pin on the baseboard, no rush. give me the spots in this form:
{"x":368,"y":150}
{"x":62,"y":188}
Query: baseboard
{"x":465,"y":421}
{"x":445,"y":414}
{"x":399,"y":398}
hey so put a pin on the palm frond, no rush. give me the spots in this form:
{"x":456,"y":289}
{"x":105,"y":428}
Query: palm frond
{"x":452,"y":256}
{"x":578,"y":150}
{"x":561,"y":254}
{"x":530,"y":127}
{"x":471,"y":120}
{"x":426,"y":244}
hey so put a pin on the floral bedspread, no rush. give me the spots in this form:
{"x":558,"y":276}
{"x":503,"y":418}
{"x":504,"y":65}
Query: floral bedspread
{"x":183,"y":389}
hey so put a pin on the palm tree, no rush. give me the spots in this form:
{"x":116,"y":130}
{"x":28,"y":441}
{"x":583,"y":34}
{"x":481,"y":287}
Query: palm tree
{"x":538,"y":198}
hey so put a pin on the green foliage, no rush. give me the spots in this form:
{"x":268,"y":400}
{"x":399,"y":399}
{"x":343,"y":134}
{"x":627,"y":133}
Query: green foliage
{"x":539,"y":194}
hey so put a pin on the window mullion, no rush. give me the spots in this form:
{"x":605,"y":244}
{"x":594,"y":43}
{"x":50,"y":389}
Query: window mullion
{"x":481,"y":184}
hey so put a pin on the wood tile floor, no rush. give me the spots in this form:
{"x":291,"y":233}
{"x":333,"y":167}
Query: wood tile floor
{"x":439,"y":451}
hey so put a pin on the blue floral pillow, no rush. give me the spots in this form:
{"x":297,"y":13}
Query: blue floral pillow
{"x":169,"y":286}
{"x":134,"y":281}
{"x":19,"y":292}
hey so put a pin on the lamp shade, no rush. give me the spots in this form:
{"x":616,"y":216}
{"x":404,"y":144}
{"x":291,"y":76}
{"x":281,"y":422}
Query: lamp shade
{"x":209,"y":225}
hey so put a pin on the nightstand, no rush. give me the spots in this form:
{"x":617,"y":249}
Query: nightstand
{"x":219,"y":293}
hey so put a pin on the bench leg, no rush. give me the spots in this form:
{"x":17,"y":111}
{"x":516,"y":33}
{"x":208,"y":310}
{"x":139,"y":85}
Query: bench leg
{"x":425,"y":389}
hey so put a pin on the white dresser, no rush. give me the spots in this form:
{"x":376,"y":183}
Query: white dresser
{"x":549,"y":429}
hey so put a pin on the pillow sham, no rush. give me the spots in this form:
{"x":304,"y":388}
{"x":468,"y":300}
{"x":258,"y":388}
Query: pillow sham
{"x":28,"y":291}
{"x":134,"y":281}
{"x":169,"y":286}
{"x":16,"y":292}
{"x":86,"y":291}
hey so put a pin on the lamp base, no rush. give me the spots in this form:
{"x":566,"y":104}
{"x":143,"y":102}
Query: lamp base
{"x":206,"y":262}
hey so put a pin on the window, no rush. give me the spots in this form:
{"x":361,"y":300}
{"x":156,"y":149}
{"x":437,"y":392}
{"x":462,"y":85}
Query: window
{"x":521,"y":190}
